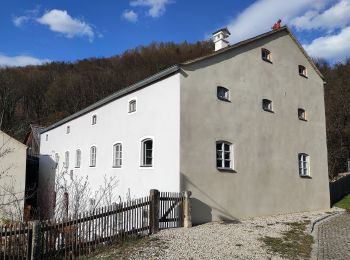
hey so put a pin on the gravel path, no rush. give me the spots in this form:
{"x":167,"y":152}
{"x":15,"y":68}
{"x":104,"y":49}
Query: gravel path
{"x":222,"y":240}
{"x":334,"y":238}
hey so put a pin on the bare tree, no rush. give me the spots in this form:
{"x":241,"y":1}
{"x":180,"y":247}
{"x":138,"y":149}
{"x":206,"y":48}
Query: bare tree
{"x":75,"y":194}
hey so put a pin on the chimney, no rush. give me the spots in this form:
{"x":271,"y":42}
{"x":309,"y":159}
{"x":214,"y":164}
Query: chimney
{"x":219,"y":38}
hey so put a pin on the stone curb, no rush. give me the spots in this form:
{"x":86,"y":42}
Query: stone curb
{"x":314,"y":231}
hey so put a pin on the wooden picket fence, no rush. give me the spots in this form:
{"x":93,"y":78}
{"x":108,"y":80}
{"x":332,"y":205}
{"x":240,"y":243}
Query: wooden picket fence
{"x":79,"y":236}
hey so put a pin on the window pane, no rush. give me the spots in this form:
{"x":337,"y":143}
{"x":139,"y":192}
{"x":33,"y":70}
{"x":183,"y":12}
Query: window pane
{"x":219,"y":163}
{"x":227,"y":155}
{"x":218,"y":146}
{"x":227,"y":147}
{"x":227,"y":164}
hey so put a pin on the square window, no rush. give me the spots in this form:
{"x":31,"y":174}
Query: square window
{"x":132,"y":106}
{"x":267,"y":105}
{"x":301,"y":114}
{"x":223,"y":93}
{"x":266,"y":55}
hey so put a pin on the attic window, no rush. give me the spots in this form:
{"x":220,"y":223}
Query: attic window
{"x":302,"y":71}
{"x":301,"y":114}
{"x":266,"y":55}
{"x":223,"y":93}
{"x":94,"y":120}
{"x":68,"y":129}
{"x":267,"y":105}
{"x":132,"y":106}
{"x":47,"y":137}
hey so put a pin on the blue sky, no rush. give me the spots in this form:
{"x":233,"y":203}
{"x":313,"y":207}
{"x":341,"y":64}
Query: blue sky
{"x":34,"y":32}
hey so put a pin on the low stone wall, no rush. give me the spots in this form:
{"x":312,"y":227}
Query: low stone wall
{"x":338,"y":189}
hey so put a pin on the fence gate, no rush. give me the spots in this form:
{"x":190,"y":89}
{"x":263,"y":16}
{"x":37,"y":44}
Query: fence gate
{"x":171,"y":210}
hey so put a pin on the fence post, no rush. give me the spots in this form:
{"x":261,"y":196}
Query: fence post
{"x":187,"y":210}
{"x":154,"y":211}
{"x":36,"y":241}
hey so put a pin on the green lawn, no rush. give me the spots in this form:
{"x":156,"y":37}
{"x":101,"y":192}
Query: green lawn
{"x":344,"y":203}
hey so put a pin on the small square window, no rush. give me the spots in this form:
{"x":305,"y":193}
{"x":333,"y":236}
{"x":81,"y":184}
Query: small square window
{"x":132,"y":106}
{"x":267,"y":105}
{"x":94,"y":120}
{"x":301,"y":114}
{"x":223,"y":93}
{"x":266,"y":55}
{"x":302,"y":71}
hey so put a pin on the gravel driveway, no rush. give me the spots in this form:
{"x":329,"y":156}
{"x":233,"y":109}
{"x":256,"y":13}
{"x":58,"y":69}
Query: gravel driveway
{"x":222,"y":240}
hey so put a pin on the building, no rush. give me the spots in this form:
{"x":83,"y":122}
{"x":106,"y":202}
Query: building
{"x":32,"y":140}
{"x":242,"y":128}
{"x":12,"y":178}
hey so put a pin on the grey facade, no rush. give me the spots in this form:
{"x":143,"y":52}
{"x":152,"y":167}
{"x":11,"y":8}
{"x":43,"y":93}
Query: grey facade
{"x":265,"y":179}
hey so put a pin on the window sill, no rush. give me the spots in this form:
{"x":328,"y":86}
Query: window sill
{"x":226,"y":170}
{"x":305,"y":176}
{"x":146,"y":166}
{"x":268,"y":110}
{"x":116,"y":167}
{"x":224,"y":99}
{"x":77,"y":167}
{"x":267,"y":60}
{"x":302,"y":119}
{"x":302,"y":75}
{"x":132,"y":112}
{"x":92,"y":166}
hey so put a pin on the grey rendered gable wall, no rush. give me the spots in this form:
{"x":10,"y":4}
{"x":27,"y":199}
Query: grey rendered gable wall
{"x":266,"y":145}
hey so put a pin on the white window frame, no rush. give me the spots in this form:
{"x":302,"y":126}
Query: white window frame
{"x":93,"y":156}
{"x":303,"y":112}
{"x":118,"y":155}
{"x":269,"y":108}
{"x":129,"y":103}
{"x":304,"y":165}
{"x":94,"y":120}
{"x":226,"y":97}
{"x":143,"y":163}
{"x":68,"y":129}
{"x":222,"y":151}
{"x":268,"y":56}
{"x":77,"y":158}
{"x":66,"y":159}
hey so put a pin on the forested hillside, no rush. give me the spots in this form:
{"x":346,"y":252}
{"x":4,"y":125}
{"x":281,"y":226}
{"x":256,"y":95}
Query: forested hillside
{"x":44,"y":94}
{"x":337,"y":102}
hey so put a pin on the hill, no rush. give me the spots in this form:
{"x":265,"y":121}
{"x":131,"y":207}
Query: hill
{"x":47,"y":93}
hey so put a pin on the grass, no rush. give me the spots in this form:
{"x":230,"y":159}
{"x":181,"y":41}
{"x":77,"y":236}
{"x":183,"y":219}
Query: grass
{"x":344,"y":203}
{"x":122,"y":250}
{"x":294,"y":243}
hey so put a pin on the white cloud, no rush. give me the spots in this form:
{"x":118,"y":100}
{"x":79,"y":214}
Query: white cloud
{"x":332,"y":47}
{"x":130,"y":16}
{"x":60,"y":21}
{"x":156,"y":7}
{"x":337,"y":16}
{"x":20,"y":61}
{"x":20,"y":20}
{"x":260,"y":16}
